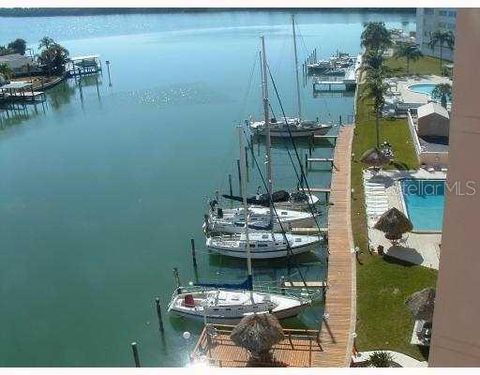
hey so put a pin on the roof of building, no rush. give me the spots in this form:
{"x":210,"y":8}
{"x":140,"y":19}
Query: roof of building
{"x":430,"y":108}
{"x":17,"y":61}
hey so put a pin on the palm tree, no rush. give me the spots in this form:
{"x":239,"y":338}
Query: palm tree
{"x":54,"y":58}
{"x":376,"y":37}
{"x":380,"y":359}
{"x":375,"y":89}
{"x":442,"y":91}
{"x":373,"y":64}
{"x":6,"y":71}
{"x":442,"y":38}
{"x":409,"y":51}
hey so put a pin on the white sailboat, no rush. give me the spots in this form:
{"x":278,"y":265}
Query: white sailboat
{"x":233,"y":220}
{"x":263,"y":244}
{"x":224,"y":306}
{"x":291,"y":126}
{"x":229,"y":303}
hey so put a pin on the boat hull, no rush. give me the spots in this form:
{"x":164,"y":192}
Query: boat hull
{"x":266,"y":254}
{"x":295,"y":134}
{"x":282,"y":314}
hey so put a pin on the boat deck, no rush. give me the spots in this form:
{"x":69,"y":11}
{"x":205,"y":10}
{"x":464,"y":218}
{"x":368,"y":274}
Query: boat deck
{"x":331,"y":346}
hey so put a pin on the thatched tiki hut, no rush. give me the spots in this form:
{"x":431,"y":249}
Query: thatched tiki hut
{"x":394,"y":224}
{"x":421,"y":304}
{"x":258,"y":333}
{"x":374,"y":158}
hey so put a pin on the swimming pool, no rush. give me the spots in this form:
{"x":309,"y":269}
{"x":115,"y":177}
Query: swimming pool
{"x":424,"y":202}
{"x":422,"y":88}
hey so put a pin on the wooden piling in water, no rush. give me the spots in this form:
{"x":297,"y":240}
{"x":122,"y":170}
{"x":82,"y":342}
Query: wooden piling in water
{"x":194,"y":256}
{"x":230,"y":183}
{"x":136,"y":358}
{"x":239,"y":178}
{"x":159,"y":314}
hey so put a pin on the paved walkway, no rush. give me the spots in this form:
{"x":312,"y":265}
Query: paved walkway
{"x":338,"y":326}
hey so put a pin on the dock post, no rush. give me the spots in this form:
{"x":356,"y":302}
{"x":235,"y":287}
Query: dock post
{"x":306,"y":162}
{"x":135,"y":354}
{"x":194,"y":256}
{"x":239,"y":178}
{"x":159,"y":314}
{"x":108,"y":70}
{"x":340,"y":120}
{"x":230,"y":183}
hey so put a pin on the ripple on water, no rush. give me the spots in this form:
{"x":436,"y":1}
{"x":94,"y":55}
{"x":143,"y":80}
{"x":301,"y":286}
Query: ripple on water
{"x":181,"y":94}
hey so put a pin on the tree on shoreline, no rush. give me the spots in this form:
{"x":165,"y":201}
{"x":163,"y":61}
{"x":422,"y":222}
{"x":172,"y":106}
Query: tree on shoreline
{"x":6,"y":71}
{"x":53,"y":56}
{"x":18,"y":46}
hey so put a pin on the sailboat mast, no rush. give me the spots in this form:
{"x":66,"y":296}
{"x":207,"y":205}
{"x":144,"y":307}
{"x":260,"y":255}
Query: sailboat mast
{"x":268,"y":142}
{"x":245,"y":204}
{"x":299,"y":102}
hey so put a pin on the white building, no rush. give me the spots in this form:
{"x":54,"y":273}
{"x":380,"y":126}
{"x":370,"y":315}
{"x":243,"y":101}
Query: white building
{"x":430,"y":20}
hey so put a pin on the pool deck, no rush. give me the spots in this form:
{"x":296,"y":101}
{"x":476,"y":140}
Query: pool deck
{"x":422,"y":248}
{"x":408,"y":95}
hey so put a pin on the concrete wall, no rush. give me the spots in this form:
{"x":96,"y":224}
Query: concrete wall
{"x":456,"y":326}
{"x":433,"y":125}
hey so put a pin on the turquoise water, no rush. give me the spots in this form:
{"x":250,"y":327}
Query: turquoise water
{"x":422,"y":88}
{"x":104,"y":185}
{"x":425,"y":201}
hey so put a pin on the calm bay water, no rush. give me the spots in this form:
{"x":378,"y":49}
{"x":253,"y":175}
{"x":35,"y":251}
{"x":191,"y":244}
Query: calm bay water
{"x":103,"y":186}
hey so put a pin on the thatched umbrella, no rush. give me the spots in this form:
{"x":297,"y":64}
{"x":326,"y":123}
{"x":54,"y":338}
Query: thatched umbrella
{"x":374,"y":158}
{"x":258,"y":333}
{"x":421,"y":304}
{"x":394,"y":224}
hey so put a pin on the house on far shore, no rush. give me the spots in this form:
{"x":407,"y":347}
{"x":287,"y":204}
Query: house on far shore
{"x":429,"y":126}
{"x":20,"y":64}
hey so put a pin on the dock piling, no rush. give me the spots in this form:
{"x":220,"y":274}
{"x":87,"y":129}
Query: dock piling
{"x":194,"y":256}
{"x":230,"y":183}
{"x":159,"y":314}
{"x":136,"y":358}
{"x":239,"y":178}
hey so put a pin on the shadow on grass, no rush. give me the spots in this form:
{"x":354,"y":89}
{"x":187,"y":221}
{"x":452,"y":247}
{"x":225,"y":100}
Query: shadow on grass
{"x":400,"y":262}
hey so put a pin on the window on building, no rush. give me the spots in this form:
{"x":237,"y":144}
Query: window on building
{"x":428,"y":10}
{"x":442,"y":13}
{"x":452,"y":13}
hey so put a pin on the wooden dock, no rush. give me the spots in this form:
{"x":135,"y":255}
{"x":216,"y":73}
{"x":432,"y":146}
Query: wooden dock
{"x":340,"y":308}
{"x":332,"y":345}
{"x":298,"y":349}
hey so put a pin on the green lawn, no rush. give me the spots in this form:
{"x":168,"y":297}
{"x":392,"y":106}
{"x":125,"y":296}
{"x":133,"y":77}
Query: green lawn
{"x":424,"y":65}
{"x":384,"y":322}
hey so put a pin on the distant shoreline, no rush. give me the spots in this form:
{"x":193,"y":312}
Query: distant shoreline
{"x":58,"y":12}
